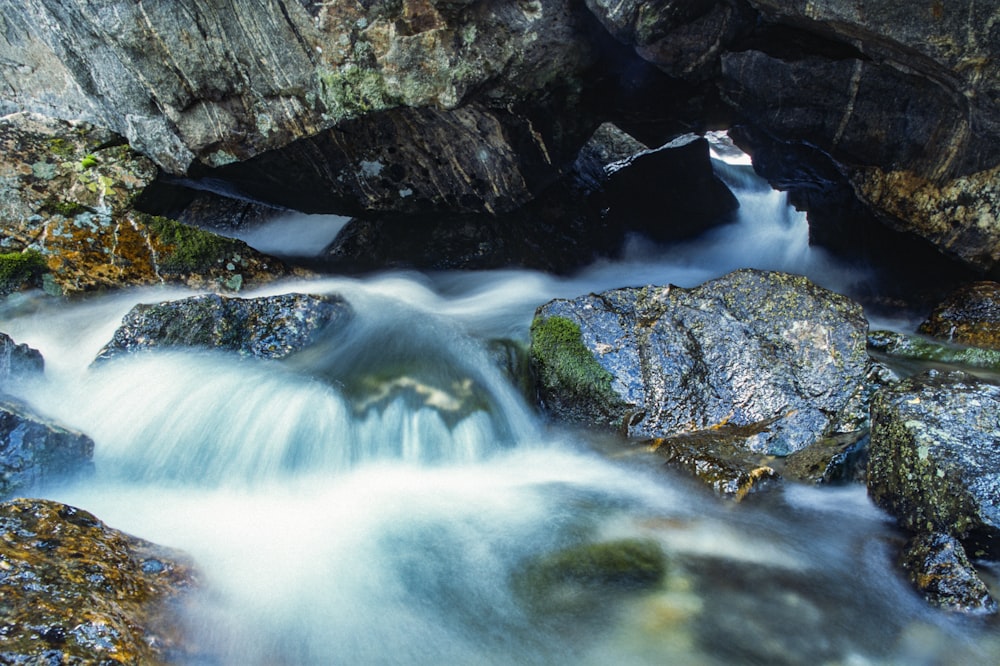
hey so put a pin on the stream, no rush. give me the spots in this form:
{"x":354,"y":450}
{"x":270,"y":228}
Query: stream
{"x":373,"y":499}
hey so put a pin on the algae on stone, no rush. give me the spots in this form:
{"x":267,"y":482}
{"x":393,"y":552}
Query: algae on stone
{"x":20,"y":268}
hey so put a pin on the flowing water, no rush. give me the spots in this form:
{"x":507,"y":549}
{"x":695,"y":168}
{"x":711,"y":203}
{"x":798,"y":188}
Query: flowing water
{"x":375,"y":499}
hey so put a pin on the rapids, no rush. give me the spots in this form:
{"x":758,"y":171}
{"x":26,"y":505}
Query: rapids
{"x":339,"y":524}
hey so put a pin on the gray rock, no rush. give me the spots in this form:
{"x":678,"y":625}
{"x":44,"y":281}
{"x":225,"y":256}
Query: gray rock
{"x":17,"y":360}
{"x":33,"y":449}
{"x":940,"y":570}
{"x":750,"y":347}
{"x":266,"y":327}
{"x":219,"y":81}
{"x":935,"y":457}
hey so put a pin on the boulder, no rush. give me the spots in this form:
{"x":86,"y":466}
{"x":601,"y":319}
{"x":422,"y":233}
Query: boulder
{"x":271,"y":327}
{"x":68,"y":220}
{"x":76,"y":591}
{"x":935,"y":457}
{"x":34,"y":449}
{"x":748,"y":348}
{"x":970,"y":316}
{"x":18,"y":360}
{"x":938,"y":567}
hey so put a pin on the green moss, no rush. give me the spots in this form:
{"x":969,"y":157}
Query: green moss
{"x":354,"y":91}
{"x":61,"y":147}
{"x":557,"y":348}
{"x":19,"y":268}
{"x":65,"y":208}
{"x":192,"y":249}
{"x":89,"y":161}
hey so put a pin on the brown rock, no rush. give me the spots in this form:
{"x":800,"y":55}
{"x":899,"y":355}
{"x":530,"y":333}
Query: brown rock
{"x":970,"y":316}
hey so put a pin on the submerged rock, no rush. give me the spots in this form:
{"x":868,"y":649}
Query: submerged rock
{"x":569,"y":579}
{"x":916,"y":348}
{"x":935,"y":457}
{"x":75,"y":591}
{"x":940,"y":570}
{"x":265,"y":327}
{"x":17,"y":360}
{"x":747,"y":348}
{"x":34,"y":449}
{"x":970,"y":316}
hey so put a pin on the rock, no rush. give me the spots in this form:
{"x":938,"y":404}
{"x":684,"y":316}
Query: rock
{"x":970,"y":316}
{"x":78,"y":592}
{"x":935,"y":457}
{"x":33,"y":449}
{"x":903,"y":98}
{"x":940,"y":570}
{"x":67,"y":214}
{"x":218,"y":83}
{"x":670,"y":193}
{"x":17,"y":360}
{"x":718,"y":459}
{"x":266,"y":327}
{"x":838,"y":459}
{"x":568,"y":579}
{"x":890,"y":344}
{"x":681,"y":38}
{"x":747,"y":348}
{"x":471,"y":160}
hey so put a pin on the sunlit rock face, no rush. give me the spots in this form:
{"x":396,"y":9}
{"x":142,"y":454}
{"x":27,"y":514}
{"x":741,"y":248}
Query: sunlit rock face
{"x":77,"y":591}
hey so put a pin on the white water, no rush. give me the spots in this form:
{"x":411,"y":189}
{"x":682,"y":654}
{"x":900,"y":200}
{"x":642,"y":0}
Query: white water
{"x":332,"y":533}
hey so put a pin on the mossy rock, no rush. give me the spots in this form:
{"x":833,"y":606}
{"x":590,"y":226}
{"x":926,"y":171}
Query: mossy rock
{"x":18,"y":269}
{"x":191,"y":249}
{"x":566,"y":579}
{"x":568,"y":372}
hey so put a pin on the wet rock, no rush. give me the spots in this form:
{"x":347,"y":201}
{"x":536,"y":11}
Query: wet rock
{"x":935,"y":457}
{"x":17,"y":360}
{"x":67,"y":215}
{"x":718,"y":459}
{"x":970,"y":316}
{"x":892,"y":345}
{"x":569,"y":579}
{"x":266,"y":327}
{"x":78,"y":592}
{"x":940,"y":570}
{"x":750,"y":347}
{"x":838,"y":459}
{"x":34,"y":449}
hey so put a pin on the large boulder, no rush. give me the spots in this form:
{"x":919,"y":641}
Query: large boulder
{"x":747,"y":348}
{"x":34,"y":449}
{"x":265,"y":327}
{"x":935,"y":457}
{"x":76,"y":591}
{"x":68,"y":220}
